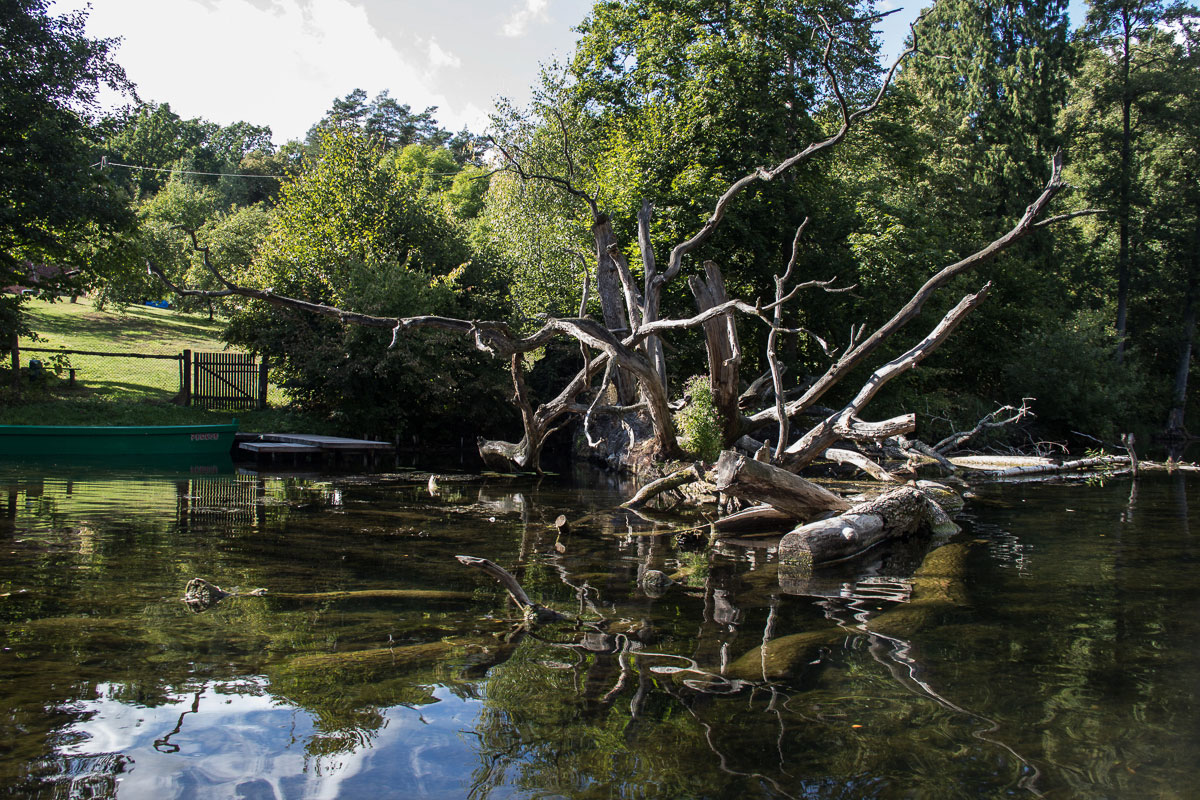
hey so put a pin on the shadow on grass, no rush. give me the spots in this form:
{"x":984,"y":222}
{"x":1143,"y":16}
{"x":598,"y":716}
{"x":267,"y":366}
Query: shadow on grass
{"x":137,"y":326}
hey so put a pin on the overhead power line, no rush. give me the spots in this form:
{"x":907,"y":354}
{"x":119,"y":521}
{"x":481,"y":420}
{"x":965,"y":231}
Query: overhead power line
{"x":104,"y":162}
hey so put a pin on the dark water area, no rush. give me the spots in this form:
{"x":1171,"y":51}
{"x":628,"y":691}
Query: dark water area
{"x":1049,"y":649}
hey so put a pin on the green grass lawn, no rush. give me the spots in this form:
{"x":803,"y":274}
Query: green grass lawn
{"x":81,"y":326}
{"x":134,"y":330}
{"x":122,"y":390}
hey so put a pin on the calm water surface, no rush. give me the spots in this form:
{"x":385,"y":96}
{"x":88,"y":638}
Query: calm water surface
{"x":1050,"y":649}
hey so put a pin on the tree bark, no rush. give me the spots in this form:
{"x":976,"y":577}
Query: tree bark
{"x":748,"y":479}
{"x":891,"y":515}
{"x":724,"y":355}
{"x":690,"y":474}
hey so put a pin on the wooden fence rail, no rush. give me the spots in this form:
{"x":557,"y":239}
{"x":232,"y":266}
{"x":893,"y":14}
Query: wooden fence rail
{"x":211,"y":380}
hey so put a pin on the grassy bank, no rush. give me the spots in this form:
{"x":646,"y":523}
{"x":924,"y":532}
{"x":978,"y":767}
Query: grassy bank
{"x":120,"y":390}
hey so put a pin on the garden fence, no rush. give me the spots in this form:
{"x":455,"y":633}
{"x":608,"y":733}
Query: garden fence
{"x":224,"y":380}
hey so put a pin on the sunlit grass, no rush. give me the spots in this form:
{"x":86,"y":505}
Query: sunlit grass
{"x":121,"y":390}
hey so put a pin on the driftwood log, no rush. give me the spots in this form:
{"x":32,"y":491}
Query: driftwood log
{"x":682,"y":477}
{"x":752,"y":480}
{"x":201,"y":595}
{"x":533,"y":612}
{"x":893,"y":514}
{"x":755,"y":519}
{"x":1078,"y":465}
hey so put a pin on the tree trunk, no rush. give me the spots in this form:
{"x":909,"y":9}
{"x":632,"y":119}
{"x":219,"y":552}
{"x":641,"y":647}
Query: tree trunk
{"x":1124,"y":189}
{"x":891,"y":515}
{"x":1183,"y":368}
{"x":724,"y":355}
{"x":608,"y":283}
{"x":748,"y":479}
{"x":15,"y":349}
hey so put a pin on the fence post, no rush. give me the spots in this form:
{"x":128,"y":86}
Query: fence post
{"x":16,"y":363}
{"x":185,"y":364}
{"x":262,"y":382}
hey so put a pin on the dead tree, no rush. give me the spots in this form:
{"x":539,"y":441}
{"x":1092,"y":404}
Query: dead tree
{"x":625,"y":349}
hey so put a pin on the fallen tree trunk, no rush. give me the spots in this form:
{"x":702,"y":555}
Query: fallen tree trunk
{"x":938,"y":588}
{"x":1065,"y":466}
{"x":758,"y":482}
{"x":753,"y":520}
{"x":893,"y":514}
{"x":687,"y":475}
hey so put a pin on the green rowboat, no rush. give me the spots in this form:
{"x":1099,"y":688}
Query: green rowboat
{"x":102,"y":441}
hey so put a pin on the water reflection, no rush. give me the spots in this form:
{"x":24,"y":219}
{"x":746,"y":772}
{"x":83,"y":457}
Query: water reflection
{"x":1045,"y":651}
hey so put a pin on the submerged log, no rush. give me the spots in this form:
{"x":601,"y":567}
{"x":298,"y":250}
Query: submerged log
{"x":896,"y":513}
{"x":201,"y":595}
{"x":938,"y":589}
{"x":533,"y":612}
{"x":752,"y":480}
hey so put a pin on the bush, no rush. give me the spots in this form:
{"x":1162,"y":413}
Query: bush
{"x":1070,"y":367}
{"x":698,"y":423}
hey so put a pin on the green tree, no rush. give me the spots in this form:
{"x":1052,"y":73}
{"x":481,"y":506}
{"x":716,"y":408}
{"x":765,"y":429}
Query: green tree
{"x":1120,"y":83}
{"x":356,"y":230}
{"x":670,"y":102}
{"x":963,"y":143}
{"x":386,"y":120}
{"x":54,"y":206}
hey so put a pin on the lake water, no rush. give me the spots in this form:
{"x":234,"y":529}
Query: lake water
{"x":1049,"y":649}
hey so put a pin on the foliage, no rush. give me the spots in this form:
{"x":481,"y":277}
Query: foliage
{"x":359,"y":228}
{"x":154,"y":139}
{"x":384,"y":120}
{"x":54,"y":207}
{"x":1069,"y":368}
{"x":542,"y":244}
{"x":699,"y":425}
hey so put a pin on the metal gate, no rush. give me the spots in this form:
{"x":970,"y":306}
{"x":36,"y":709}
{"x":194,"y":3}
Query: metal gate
{"x":228,"y":380}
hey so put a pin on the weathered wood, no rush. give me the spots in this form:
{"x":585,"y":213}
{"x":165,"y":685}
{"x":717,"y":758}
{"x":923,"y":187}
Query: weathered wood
{"x":755,"y":519}
{"x":862,"y":462}
{"x":682,"y":477}
{"x":752,"y":480}
{"x":533,"y":612}
{"x":845,"y":423}
{"x":896,"y":513}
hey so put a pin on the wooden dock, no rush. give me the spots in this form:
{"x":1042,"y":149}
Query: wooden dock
{"x":309,"y":447}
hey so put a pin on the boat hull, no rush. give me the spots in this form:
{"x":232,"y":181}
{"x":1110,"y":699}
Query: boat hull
{"x":104,"y":441}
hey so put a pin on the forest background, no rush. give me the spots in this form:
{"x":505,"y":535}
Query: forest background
{"x":381,"y":211}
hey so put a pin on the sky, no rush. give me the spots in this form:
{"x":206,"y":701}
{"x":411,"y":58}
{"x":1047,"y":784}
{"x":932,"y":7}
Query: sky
{"x":282,"y":62}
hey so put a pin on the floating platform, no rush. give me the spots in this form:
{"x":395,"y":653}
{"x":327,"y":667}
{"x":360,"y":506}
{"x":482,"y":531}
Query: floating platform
{"x":309,"y":447}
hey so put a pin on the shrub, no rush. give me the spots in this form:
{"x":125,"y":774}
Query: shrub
{"x":698,"y":423}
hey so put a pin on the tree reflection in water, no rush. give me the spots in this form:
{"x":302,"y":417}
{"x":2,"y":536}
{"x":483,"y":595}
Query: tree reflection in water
{"x":1041,"y":652}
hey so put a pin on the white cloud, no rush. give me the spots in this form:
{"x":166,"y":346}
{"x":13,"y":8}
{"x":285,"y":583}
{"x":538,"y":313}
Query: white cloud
{"x":441,"y":58}
{"x":528,"y":12}
{"x":228,"y":60}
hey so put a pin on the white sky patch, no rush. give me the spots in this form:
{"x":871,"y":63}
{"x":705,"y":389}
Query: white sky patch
{"x":439,"y":58}
{"x":282,"y":65}
{"x":528,"y":12}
